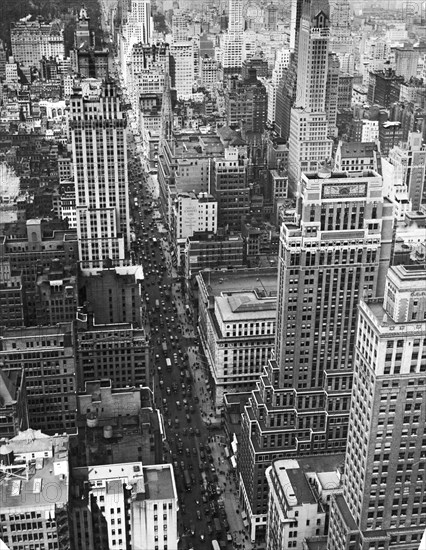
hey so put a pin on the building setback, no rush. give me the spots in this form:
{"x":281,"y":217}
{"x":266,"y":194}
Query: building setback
{"x":237,"y":326}
{"x":338,"y":250}
{"x":383,"y":491}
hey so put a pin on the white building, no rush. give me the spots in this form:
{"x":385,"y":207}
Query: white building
{"x":140,"y":20}
{"x":126,"y":502}
{"x":232,"y":44}
{"x":194,"y":213}
{"x":370,"y":130}
{"x":99,"y":149}
{"x":237,"y":326}
{"x":298,"y":492}
{"x":282,"y":61}
{"x":182,"y":68}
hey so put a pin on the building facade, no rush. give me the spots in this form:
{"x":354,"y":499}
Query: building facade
{"x":309,"y":143}
{"x":237,"y":326}
{"x":338,"y":250}
{"x":46,"y":354}
{"x":118,"y":352}
{"x":384,"y":479}
{"x":99,"y":150}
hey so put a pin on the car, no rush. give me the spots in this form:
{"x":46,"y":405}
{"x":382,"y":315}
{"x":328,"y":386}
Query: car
{"x":202,"y":454}
{"x":169,"y":423}
{"x":188,"y":418}
{"x":197,"y":432}
{"x":192,"y":410}
{"x":209,"y":530}
{"x":206,"y":510}
{"x":194,"y":451}
{"x":182,"y":465}
{"x":205,"y":501}
{"x":168,"y":390}
{"x":198,"y":514}
{"x":164,"y":401}
{"x":188,"y":452}
{"x":191,"y":431}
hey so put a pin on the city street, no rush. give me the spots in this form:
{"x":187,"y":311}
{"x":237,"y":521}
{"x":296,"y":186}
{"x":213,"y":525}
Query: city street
{"x":208,"y":496}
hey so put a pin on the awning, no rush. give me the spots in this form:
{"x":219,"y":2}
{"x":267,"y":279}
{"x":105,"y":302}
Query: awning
{"x":226,"y":452}
{"x":233,"y":462}
{"x":234,"y":447}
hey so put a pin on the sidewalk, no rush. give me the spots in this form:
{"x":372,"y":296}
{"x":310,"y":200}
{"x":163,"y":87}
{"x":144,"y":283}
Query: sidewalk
{"x":227,"y":482}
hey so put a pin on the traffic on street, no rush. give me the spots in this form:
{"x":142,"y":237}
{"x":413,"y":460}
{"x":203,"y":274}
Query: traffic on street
{"x":190,"y":444}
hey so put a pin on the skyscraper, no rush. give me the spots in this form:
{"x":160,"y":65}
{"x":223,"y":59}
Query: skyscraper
{"x":232,"y":45}
{"x":99,"y":149}
{"x":308,"y":143}
{"x":337,"y":249}
{"x":141,"y":20}
{"x":384,"y":483}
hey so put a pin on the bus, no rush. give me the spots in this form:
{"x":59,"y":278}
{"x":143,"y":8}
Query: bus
{"x":215,"y":545}
{"x":157,"y":304}
{"x":188,"y":376}
{"x":187,"y":478}
{"x":217,"y":525}
{"x":168,"y":364}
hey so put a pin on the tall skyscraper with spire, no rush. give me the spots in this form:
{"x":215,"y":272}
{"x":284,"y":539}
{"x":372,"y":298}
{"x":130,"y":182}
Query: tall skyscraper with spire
{"x":383,"y":501}
{"x":309,"y":144}
{"x":336,"y":251}
{"x":99,"y":150}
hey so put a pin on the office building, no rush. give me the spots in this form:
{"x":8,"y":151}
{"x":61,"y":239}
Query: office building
{"x":337,"y":251}
{"x":299,"y":496}
{"x":236,"y":326}
{"x":46,"y":354}
{"x":118,"y":505}
{"x":140,"y":21}
{"x":390,"y":135}
{"x":87,"y":60}
{"x":230,"y":187}
{"x":384,"y":87}
{"x":99,"y":148}
{"x":12,"y":296}
{"x":246,"y":104}
{"x":332,"y":93}
{"x":282,"y":61}
{"x":409,"y":164}
{"x":193,"y":214}
{"x":406,"y":61}
{"x":209,"y":68}
{"x":355,"y":156}
{"x":122,"y":285}
{"x":309,"y":144}
{"x":57,"y":293}
{"x":115,"y":351}
{"x":33,"y":40}
{"x":232,"y":41}
{"x":182,"y":68}
{"x":29,"y":248}
{"x":34,"y":484}
{"x":209,"y":251}
{"x":382,"y":500}
{"x":344,"y":96}
{"x":129,"y":419}
{"x":13,"y":404}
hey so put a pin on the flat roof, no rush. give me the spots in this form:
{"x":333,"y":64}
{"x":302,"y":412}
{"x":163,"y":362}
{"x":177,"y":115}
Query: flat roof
{"x":219,"y":282}
{"x":43,"y":472}
{"x":159,"y":482}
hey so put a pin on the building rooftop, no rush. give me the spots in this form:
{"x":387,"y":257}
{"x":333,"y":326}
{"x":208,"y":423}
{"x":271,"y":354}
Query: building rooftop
{"x":36,"y":462}
{"x":241,"y":280}
{"x":358,"y":149}
{"x":159,"y":482}
{"x":297,"y":489}
{"x":344,"y":511}
{"x":241,"y":306}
